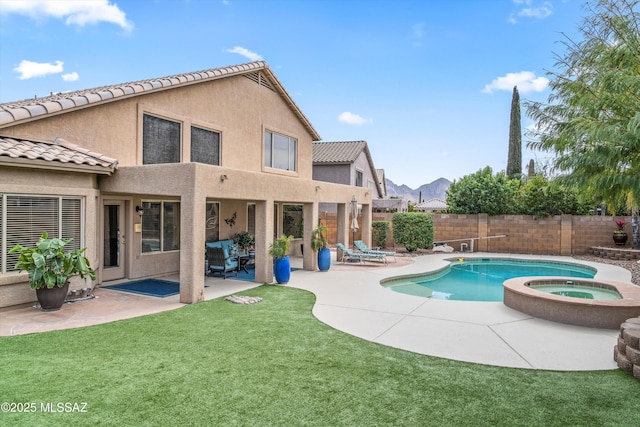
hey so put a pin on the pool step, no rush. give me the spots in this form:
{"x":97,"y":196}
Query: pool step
{"x":627,"y":352}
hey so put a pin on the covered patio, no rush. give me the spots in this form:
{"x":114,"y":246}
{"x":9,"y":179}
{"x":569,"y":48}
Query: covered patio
{"x":233,"y":189}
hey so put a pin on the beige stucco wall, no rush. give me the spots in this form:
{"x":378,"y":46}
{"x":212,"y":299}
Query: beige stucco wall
{"x":14,"y":287}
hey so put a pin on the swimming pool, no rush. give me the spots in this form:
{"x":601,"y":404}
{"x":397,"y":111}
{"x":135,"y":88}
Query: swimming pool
{"x":481,"y":279}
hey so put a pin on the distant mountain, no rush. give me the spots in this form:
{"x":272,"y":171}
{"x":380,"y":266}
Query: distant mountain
{"x":436,"y":189}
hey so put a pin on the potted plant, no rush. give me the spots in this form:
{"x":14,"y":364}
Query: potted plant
{"x":50,"y":267}
{"x":619,"y":235}
{"x":279,"y":250}
{"x":319,"y":244}
{"x":244,"y":240}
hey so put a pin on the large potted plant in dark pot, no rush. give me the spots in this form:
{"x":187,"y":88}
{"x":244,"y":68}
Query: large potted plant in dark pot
{"x":279,"y":250}
{"x":619,"y":235}
{"x":50,"y":267}
{"x":319,"y":244}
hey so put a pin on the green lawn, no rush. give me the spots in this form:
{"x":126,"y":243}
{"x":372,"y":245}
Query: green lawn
{"x":273,"y":363}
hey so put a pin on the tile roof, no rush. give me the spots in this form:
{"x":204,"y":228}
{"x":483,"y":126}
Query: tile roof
{"x":31,"y":109}
{"x":57,"y":154}
{"x":344,"y":152}
{"x":432,"y":204}
{"x":337,"y":152}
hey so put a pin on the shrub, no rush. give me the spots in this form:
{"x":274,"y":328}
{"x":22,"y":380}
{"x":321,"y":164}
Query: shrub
{"x":542,"y":198}
{"x":380,"y":230}
{"x":413,"y":230}
{"x":483,"y":192}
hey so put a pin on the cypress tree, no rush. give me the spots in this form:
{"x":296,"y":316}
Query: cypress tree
{"x":514,"y":160}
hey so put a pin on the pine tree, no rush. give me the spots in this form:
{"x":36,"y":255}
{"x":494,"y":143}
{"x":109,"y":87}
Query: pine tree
{"x":514,"y":160}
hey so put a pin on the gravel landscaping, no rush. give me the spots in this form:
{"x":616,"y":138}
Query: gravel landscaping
{"x":632,"y":266}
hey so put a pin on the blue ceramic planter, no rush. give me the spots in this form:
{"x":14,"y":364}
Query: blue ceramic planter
{"x":324,"y":259}
{"x":282,"y":270}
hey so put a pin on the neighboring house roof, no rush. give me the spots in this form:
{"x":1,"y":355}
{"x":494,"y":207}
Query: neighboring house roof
{"x":344,"y":152}
{"x":12,"y":113}
{"x":338,"y":152}
{"x":59,"y":154}
{"x":431,"y":205}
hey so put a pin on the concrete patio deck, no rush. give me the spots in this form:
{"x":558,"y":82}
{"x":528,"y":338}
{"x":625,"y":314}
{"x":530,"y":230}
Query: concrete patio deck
{"x":351,"y":299}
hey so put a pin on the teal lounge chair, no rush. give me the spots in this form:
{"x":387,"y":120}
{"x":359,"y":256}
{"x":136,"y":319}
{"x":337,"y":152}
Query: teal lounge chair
{"x":360,"y":256}
{"x":362,"y":247}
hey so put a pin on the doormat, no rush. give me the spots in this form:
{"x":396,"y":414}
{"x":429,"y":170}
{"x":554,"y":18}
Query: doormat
{"x":150,"y":287}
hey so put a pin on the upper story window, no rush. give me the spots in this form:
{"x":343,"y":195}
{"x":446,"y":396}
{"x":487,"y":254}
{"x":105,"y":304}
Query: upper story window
{"x":205,"y":146}
{"x":280,"y":151}
{"x":359,"y":178}
{"x":160,"y":140}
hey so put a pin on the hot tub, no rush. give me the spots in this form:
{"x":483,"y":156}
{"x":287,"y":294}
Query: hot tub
{"x":521,"y":294}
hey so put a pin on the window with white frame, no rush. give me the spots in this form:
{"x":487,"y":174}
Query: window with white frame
{"x":161,"y":140}
{"x":359,"y":178}
{"x":280,"y":151}
{"x":23,"y":219}
{"x":160,"y":226}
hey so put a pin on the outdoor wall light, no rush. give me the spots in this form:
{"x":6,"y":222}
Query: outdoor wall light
{"x":140,"y":210}
{"x":223,"y":178}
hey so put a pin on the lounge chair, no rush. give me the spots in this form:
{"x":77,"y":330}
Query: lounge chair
{"x":220,"y":262}
{"x":362,"y":247}
{"x":360,"y":256}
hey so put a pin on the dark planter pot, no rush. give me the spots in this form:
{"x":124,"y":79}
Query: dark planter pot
{"x":52,"y":299}
{"x":282,"y":270}
{"x":620,"y":239}
{"x":324,"y":259}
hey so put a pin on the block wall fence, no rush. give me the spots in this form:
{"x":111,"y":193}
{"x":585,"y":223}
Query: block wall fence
{"x":558,"y":235}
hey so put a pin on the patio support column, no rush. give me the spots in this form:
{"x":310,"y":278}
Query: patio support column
{"x":192,"y":222}
{"x":310,"y":215}
{"x":365,"y":228}
{"x":342,"y":233}
{"x":264,"y":237}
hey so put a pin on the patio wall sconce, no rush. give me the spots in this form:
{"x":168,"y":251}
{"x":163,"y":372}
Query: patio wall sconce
{"x":140,"y":210}
{"x":223,"y":178}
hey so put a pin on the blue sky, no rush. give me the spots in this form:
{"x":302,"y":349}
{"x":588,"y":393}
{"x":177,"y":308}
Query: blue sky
{"x":427,"y":84}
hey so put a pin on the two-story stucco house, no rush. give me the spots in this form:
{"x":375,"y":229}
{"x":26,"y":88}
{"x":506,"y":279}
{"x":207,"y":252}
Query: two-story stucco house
{"x":144,"y":173}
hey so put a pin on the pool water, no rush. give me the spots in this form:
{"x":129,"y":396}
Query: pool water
{"x":481,"y":279}
{"x":576,"y":291}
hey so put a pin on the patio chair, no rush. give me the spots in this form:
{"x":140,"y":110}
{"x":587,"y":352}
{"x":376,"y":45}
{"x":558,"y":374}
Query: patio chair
{"x":362,"y":247}
{"x":360,"y":256}
{"x":220,"y":262}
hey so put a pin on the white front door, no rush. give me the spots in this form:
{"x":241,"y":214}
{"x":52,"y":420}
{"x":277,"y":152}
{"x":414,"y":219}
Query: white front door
{"x":114,"y":240}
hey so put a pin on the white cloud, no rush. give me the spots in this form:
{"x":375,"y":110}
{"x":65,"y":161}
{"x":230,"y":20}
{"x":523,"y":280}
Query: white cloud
{"x":532,"y":11}
{"x":76,"y":12}
{"x":525,"y":80}
{"x":30,"y":69}
{"x":245,"y":52}
{"x":353,"y":119}
{"x":70,"y":77}
{"x":418,"y":30}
